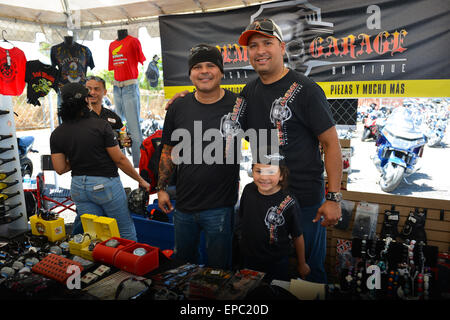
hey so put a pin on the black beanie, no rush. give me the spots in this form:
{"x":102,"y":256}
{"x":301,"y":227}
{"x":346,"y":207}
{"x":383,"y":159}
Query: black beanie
{"x":205,"y":53}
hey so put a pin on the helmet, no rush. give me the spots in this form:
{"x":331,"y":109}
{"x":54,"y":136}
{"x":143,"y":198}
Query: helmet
{"x":138,"y":200}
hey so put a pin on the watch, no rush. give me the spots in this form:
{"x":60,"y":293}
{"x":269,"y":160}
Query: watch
{"x":163,"y":188}
{"x":334,"y":196}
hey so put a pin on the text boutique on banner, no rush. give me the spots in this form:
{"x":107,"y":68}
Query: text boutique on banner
{"x":353,"y":49}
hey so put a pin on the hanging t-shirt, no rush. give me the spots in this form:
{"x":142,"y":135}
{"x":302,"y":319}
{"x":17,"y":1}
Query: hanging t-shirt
{"x":124,"y":56}
{"x":40,"y":78}
{"x":72,"y":62}
{"x":12,"y":71}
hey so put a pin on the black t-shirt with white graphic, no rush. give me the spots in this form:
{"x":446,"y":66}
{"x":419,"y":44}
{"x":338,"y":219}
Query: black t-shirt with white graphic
{"x":298,"y":109}
{"x":258,"y":216}
{"x":72,"y":62}
{"x":84,"y":143}
{"x":202,"y":185}
{"x":40,"y":79}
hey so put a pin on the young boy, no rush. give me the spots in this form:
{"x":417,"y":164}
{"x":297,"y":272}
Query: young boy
{"x":269,"y":219}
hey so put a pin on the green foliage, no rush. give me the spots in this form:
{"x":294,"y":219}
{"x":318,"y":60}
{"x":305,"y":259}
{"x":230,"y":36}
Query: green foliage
{"x":44,"y":48}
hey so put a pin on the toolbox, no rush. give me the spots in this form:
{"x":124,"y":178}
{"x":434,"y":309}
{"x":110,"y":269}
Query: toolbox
{"x":106,"y":254}
{"x":96,"y":229}
{"x":54,"y":230}
{"x":137,"y":258}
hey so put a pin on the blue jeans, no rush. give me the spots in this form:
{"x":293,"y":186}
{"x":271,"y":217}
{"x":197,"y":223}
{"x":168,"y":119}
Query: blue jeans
{"x":315,"y":236}
{"x":102,"y":196}
{"x":128,"y":107}
{"x":217,"y":226}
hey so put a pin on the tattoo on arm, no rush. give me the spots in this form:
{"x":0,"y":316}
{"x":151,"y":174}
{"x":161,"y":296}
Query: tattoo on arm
{"x":166,"y":166}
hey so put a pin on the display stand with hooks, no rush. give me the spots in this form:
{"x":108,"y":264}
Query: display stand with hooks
{"x":19,"y":223}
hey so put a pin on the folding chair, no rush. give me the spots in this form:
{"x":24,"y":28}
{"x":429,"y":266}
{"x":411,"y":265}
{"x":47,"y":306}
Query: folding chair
{"x":60,"y":197}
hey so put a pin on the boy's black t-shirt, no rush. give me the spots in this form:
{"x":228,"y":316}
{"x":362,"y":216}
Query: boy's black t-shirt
{"x":40,"y":79}
{"x":200,"y":185}
{"x":298,"y":109}
{"x":84,"y":143}
{"x":258,"y":214}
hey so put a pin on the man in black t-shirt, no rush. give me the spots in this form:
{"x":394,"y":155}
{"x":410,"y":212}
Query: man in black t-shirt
{"x":97,"y":90}
{"x":207,"y":184}
{"x":297,"y":108}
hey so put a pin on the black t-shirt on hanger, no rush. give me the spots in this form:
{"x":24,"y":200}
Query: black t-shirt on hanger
{"x":40,"y":79}
{"x":72,"y":61}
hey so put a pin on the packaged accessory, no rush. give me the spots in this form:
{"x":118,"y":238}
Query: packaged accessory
{"x":365,"y":221}
{"x":414,"y":227}
{"x":346,"y":214}
{"x":390,"y":222}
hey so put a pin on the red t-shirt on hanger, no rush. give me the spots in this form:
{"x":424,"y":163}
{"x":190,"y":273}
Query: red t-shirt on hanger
{"x":124,"y":56}
{"x":12,"y":71}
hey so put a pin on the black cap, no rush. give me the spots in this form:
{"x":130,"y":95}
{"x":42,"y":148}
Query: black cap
{"x":74,"y":91}
{"x":205,"y":53}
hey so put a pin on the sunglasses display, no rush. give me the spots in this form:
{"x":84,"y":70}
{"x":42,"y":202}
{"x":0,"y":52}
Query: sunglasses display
{"x":5,"y":208}
{"x":5,"y":196}
{"x":6,"y":185}
{"x":3,"y":161}
{"x":10,"y":218}
{"x":6,"y":149}
{"x":10,"y":186}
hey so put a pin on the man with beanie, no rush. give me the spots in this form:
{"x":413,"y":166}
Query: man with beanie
{"x":206,"y":191}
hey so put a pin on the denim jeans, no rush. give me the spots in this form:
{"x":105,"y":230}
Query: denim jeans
{"x":128,"y":107}
{"x":217,"y":226}
{"x":102,"y":196}
{"x":315,"y":236}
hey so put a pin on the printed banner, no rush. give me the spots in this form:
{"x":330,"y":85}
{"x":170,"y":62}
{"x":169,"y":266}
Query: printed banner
{"x":380,"y":48}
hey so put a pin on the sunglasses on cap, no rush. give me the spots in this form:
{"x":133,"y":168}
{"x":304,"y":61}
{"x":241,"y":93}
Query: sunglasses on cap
{"x":262,"y":24}
{"x":199,"y":48}
{"x":95,"y":78}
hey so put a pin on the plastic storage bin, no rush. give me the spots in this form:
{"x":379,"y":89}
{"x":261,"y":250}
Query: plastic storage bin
{"x":161,"y":234}
{"x":155,"y":233}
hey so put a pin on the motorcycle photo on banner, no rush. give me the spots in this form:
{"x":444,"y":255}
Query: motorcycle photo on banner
{"x":399,"y":147}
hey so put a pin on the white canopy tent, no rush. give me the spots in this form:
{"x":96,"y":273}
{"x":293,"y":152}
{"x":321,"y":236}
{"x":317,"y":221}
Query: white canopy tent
{"x":22,"y":19}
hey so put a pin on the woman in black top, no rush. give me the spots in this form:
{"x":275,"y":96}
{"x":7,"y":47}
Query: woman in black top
{"x":88,"y":147}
